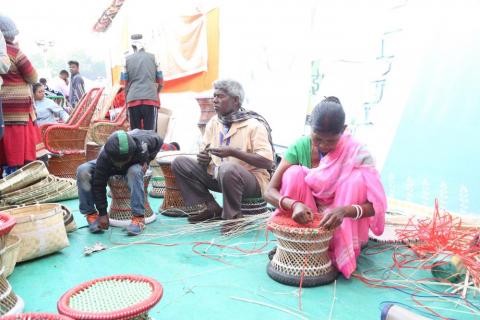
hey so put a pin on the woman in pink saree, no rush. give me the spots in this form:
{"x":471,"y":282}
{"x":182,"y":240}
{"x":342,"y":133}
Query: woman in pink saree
{"x":331,"y":173}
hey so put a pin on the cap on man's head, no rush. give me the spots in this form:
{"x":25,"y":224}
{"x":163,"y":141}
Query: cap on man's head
{"x":8,"y":27}
{"x":120,"y":146}
{"x":137,"y":41}
{"x":136,"y":36}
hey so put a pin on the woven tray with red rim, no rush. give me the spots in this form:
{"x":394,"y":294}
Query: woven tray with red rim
{"x":113,"y":297}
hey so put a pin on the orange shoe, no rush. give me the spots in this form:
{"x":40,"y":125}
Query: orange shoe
{"x":91,"y":217}
{"x":136,"y":226}
{"x":100,"y":224}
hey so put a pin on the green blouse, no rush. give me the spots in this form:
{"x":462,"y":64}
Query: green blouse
{"x":300,"y":152}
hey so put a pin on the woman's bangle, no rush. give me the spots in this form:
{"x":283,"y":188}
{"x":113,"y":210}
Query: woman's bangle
{"x":294,"y":203}
{"x":280,"y":203}
{"x":359,"y":211}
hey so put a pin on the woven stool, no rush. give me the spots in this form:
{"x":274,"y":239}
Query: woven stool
{"x":302,"y":253}
{"x":173,"y":204}
{"x":9,"y":302}
{"x":251,"y":206}
{"x":158,"y":181}
{"x":36,"y":316}
{"x":114,"y":297}
{"x":120,"y":212}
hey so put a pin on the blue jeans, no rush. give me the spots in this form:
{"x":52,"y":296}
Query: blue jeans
{"x":85,"y":173}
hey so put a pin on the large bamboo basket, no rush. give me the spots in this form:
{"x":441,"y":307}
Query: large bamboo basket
{"x":23,"y":177}
{"x":41,"y":228}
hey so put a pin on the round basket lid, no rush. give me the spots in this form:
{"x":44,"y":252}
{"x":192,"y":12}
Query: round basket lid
{"x":113,"y":297}
{"x":7,"y":222}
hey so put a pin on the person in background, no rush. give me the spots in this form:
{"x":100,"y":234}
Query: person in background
{"x":60,"y":83}
{"x":49,"y":92}
{"x":77,"y":85}
{"x":22,"y":137}
{"x":143,"y":81}
{"x":235,"y":160}
{"x":4,"y":66}
{"x":47,"y":110}
{"x":329,"y":172}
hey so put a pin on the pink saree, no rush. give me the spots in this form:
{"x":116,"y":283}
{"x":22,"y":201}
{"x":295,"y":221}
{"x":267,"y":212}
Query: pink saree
{"x":344,"y":177}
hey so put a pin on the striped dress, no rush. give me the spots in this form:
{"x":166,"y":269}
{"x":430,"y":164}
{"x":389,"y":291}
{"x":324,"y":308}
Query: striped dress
{"x":22,"y":136}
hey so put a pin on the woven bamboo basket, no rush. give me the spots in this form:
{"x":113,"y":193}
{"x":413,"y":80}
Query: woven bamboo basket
{"x":10,"y":254}
{"x":113,"y":297}
{"x":120,"y":211}
{"x":9,"y":302}
{"x":93,"y":150}
{"x":66,"y":165}
{"x":302,"y":253}
{"x":41,"y":228}
{"x":68,"y":219}
{"x":25,"y":176}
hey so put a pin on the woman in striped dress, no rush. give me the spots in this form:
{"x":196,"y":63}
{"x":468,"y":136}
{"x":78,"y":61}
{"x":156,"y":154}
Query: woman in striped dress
{"x":22,"y":136}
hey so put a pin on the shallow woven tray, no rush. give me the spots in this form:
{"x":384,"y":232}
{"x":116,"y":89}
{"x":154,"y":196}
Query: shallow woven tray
{"x":23,"y":177}
{"x":114,"y":297}
{"x":50,"y":189}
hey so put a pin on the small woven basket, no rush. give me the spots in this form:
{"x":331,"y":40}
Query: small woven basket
{"x":68,"y":219}
{"x":120,"y":212}
{"x":114,"y":297}
{"x":302,"y":253}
